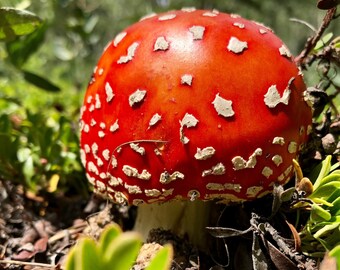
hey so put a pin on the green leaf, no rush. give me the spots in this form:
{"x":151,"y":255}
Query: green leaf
{"x":324,"y":168}
{"x":335,"y":172}
{"x":287,"y":194}
{"x":122,"y":252}
{"x":326,"y":191}
{"x":40,"y":82}
{"x":14,"y":23}
{"x":337,"y":44}
{"x":328,"y":229}
{"x":321,"y":201}
{"x":335,"y":252}
{"x":335,"y":218}
{"x":319,"y":214}
{"x":323,"y":41}
{"x":109,"y":234}
{"x":26,"y":158}
{"x":335,"y":176}
{"x":14,"y":100}
{"x":70,"y":263}
{"x":10,"y":168}
{"x":334,"y":196}
{"x":324,"y":244}
{"x":335,"y":210}
{"x":313,"y":228}
{"x":8,"y":148}
{"x":162,"y":259}
{"x":335,"y":166}
{"x":87,"y":257}
{"x":21,"y":49}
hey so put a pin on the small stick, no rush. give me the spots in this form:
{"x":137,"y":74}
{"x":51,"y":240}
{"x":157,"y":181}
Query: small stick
{"x":30,"y":264}
{"x":69,"y":231}
{"x":301,"y":58}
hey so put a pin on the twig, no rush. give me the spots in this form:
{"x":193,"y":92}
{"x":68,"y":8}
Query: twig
{"x":304,"y":23}
{"x":311,"y":42}
{"x":31,"y":264}
{"x":67,"y":232}
{"x":279,"y":240}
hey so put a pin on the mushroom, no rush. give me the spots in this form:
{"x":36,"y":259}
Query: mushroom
{"x":192,"y":106}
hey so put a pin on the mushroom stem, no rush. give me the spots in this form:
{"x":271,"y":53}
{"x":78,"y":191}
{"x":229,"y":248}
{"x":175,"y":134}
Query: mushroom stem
{"x":184,"y":218}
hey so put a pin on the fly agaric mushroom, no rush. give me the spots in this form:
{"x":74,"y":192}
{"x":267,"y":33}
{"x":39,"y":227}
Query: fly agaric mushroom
{"x":188,"y":106}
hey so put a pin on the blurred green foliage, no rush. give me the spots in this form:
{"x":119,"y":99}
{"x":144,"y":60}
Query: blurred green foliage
{"x":45,"y":68}
{"x":16,"y":22}
{"x":114,"y":250}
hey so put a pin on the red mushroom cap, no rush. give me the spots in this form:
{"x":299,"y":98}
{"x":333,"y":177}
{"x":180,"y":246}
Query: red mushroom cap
{"x":193,"y":104}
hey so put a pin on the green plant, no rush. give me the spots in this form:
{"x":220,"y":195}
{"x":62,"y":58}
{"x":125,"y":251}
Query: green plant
{"x":24,"y":32}
{"x":322,"y":232}
{"x":39,"y":148}
{"x":39,"y":151}
{"x":114,"y":250}
{"x":15,"y":23}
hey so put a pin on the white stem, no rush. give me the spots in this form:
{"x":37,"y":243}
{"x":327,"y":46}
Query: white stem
{"x":181,"y":217}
